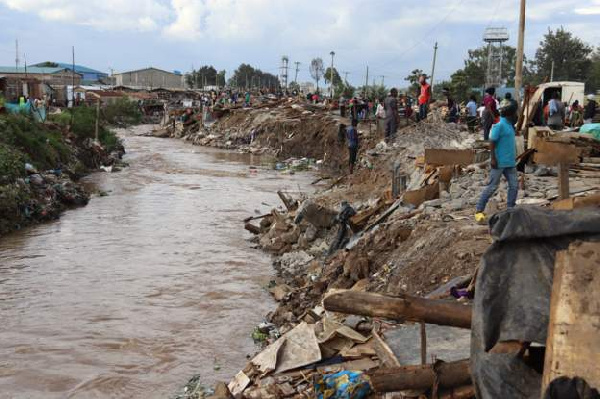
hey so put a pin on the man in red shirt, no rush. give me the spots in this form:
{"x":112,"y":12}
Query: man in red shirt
{"x":424,"y":97}
{"x":490,"y":112}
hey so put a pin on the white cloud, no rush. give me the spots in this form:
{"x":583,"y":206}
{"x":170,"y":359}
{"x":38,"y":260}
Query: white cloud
{"x":136,"y":15}
{"x":592,"y":8}
{"x":389,"y":35}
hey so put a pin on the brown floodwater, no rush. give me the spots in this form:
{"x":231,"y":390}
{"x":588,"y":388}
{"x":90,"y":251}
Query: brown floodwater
{"x":142,"y":289}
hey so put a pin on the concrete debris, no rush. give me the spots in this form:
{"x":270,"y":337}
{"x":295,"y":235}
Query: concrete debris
{"x":411,"y":232}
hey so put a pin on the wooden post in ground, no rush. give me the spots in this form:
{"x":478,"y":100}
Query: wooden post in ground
{"x":563,"y":180}
{"x":423,"y":344}
{"x":97,"y":131}
{"x":400,"y":308}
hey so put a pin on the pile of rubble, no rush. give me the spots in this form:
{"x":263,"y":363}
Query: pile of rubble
{"x":401,"y":226}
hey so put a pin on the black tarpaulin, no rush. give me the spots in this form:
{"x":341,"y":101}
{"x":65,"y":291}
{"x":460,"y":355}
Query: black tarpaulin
{"x":512,"y":293}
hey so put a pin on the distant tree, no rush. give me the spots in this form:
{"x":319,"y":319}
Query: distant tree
{"x":316,"y":70}
{"x":345,"y":90}
{"x":205,"y":76}
{"x":413,"y":79}
{"x":337,"y":80}
{"x":571,"y":57}
{"x":294,"y":86}
{"x":247,"y":76}
{"x":593,"y":82}
{"x":221,"y":81}
{"x":379,"y":91}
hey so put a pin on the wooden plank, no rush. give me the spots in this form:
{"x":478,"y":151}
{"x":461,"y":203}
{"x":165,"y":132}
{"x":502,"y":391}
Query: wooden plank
{"x":385,"y":354}
{"x":563,"y":180}
{"x":577,"y":202}
{"x":573,"y":345}
{"x":441,"y":157}
{"x":553,"y":153}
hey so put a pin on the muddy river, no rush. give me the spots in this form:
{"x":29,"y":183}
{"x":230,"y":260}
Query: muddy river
{"x":132,"y":295}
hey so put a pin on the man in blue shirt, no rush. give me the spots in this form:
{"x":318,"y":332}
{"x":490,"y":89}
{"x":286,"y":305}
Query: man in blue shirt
{"x":352,"y":137}
{"x":503,"y":151}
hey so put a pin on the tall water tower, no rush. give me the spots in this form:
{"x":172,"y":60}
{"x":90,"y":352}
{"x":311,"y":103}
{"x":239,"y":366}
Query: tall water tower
{"x":494,"y":37}
{"x":283,"y":75}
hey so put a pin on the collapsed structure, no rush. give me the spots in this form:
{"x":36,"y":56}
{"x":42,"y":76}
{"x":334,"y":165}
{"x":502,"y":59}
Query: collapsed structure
{"x":385,"y":286}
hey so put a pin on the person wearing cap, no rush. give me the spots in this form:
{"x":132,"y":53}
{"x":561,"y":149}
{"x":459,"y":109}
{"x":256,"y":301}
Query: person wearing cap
{"x":590,"y":109}
{"x":512,"y":103}
{"x":424,"y":97}
{"x":503,"y":163}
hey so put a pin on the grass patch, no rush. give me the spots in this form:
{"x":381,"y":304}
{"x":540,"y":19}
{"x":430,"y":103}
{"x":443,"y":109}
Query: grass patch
{"x":29,"y":141}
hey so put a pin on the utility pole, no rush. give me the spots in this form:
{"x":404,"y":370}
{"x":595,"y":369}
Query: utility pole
{"x":73,"y":76}
{"x":97,"y":120}
{"x":331,"y":75}
{"x":17,"y":65}
{"x":367,"y":82}
{"x":382,"y":80}
{"x":551,"y":72}
{"x":433,"y":65}
{"x":520,"y":44}
{"x":297,"y":69}
{"x":346,"y":78}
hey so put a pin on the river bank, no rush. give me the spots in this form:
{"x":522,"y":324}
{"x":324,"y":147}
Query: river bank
{"x":357,"y":233}
{"x":41,"y":164}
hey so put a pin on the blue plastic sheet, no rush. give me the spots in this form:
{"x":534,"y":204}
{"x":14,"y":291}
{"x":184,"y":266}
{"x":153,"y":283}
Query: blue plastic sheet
{"x":343,"y":385}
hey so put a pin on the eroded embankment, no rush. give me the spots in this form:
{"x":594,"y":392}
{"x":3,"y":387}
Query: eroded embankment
{"x":39,"y":168}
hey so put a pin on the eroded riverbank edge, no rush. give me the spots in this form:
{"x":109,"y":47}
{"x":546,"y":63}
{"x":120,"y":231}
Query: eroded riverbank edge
{"x":423,"y":244}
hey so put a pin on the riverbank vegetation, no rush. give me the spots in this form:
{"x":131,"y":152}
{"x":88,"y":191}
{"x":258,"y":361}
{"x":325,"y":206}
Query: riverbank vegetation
{"x":41,"y":162}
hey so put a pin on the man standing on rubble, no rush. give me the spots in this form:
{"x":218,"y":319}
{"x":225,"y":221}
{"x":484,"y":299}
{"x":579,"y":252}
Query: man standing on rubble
{"x":472,"y":113}
{"x":424,"y":97}
{"x":352,"y":137}
{"x":503,"y":153}
{"x":490,"y":112}
{"x":390,"y":105}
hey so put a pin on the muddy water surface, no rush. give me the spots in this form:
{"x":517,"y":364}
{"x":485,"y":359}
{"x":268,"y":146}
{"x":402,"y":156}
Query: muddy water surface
{"x":134,"y":294}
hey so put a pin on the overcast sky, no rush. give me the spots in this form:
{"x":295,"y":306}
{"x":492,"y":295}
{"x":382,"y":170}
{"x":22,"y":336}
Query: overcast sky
{"x":392,"y":36}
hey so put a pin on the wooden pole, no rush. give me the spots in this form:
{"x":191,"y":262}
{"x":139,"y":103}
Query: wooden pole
{"x":520,"y":45}
{"x":448,"y":375}
{"x":423,"y":344}
{"x":367,"y":83}
{"x":97,"y":131}
{"x":400,"y":308}
{"x":563,"y":180}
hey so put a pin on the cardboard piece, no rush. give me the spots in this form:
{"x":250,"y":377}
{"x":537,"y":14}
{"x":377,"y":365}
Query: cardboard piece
{"x":417,"y":197}
{"x":442,"y":157}
{"x":301,"y":348}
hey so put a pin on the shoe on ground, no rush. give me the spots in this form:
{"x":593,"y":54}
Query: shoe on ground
{"x":480,"y":217}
